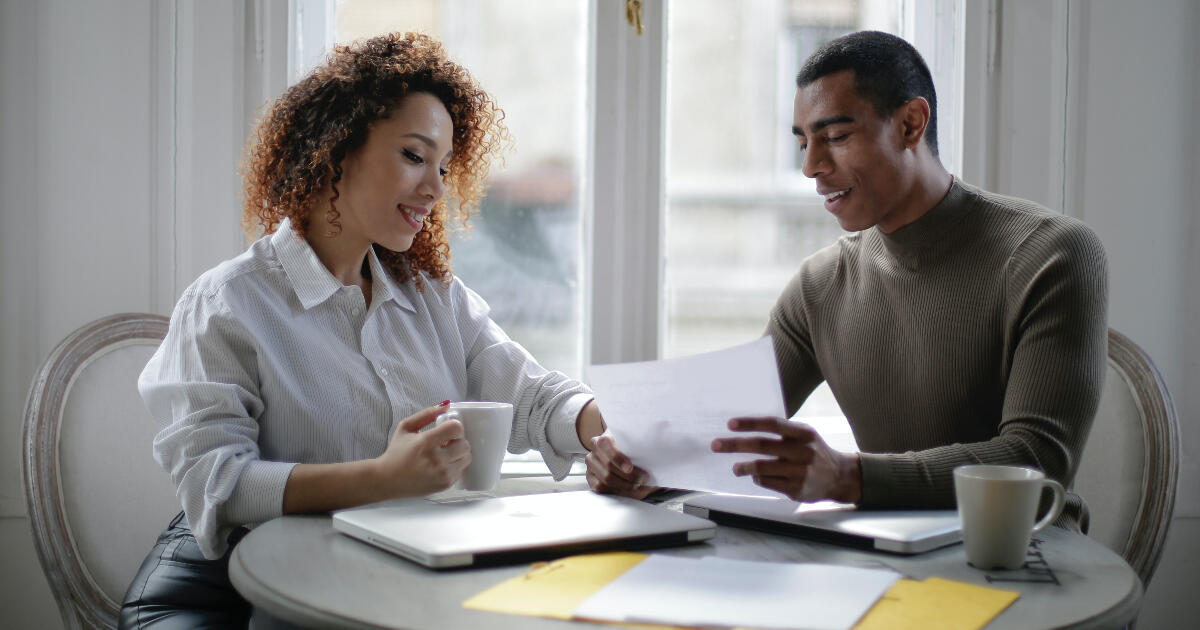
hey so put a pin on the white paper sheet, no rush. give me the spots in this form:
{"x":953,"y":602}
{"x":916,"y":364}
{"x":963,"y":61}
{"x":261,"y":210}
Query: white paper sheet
{"x":717,"y":592}
{"x":665,"y":414}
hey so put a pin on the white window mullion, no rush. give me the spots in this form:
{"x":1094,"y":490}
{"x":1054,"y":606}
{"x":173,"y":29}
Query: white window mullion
{"x":980,"y":35}
{"x":268,"y":61}
{"x":209,"y":133}
{"x":625,"y":235}
{"x":164,"y":281}
{"x":311,"y":35}
{"x":933,"y":28}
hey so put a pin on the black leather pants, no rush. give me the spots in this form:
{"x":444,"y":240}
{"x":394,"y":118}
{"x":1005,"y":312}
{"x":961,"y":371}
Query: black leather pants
{"x":178,"y":588}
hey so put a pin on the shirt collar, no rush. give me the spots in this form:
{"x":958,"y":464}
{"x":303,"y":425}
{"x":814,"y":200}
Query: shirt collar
{"x":312,"y":281}
{"x":384,"y":285}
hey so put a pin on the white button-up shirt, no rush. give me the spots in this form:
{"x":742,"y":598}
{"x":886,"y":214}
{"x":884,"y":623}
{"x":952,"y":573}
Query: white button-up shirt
{"x":270,"y":362}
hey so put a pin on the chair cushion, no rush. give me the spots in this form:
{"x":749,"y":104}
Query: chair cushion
{"x":116,"y":497}
{"x":1112,"y":471}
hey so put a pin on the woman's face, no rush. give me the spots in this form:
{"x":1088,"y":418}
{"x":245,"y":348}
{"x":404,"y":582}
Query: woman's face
{"x":390,"y":184}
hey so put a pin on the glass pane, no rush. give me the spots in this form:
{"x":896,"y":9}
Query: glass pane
{"x":740,"y":215}
{"x":522,"y":253}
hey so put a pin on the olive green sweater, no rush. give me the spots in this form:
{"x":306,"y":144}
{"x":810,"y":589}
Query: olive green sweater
{"x":976,"y":334}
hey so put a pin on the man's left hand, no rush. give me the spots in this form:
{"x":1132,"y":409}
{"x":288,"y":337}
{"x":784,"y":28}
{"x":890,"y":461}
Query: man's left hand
{"x":800,"y":464}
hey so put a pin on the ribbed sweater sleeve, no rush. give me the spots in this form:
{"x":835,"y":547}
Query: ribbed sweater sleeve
{"x":799,"y":369}
{"x":977,"y":334}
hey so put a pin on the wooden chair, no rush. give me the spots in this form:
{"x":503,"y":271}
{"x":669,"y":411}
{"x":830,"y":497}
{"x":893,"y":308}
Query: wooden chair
{"x":1130,"y":465}
{"x":97,"y":499}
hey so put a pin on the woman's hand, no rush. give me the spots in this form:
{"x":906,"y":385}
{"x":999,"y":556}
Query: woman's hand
{"x":419,"y":463}
{"x":609,"y":471}
{"x":414,"y":464}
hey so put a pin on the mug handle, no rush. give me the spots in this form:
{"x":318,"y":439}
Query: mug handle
{"x":1060,"y":500}
{"x":448,"y":415}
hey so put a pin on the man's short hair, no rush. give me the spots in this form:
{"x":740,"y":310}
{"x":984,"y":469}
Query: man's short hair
{"x":888,"y":72}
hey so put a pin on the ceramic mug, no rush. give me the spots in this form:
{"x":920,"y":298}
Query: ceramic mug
{"x":486,"y":427}
{"x":998,"y":505}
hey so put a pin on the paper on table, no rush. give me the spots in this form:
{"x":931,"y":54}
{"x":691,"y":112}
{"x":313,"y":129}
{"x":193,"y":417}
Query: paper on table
{"x":665,"y":414}
{"x":728,"y":593}
{"x":555,"y":589}
{"x":936,"y":603}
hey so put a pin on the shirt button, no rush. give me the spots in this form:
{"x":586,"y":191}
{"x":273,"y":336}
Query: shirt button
{"x":356,"y":311}
{"x":383,"y":371}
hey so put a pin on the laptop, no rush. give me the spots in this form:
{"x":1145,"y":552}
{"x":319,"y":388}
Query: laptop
{"x":485,"y":531}
{"x":896,"y":531}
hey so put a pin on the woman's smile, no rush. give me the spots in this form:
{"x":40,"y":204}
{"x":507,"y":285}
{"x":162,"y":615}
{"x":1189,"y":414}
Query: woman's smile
{"x":414,"y":215}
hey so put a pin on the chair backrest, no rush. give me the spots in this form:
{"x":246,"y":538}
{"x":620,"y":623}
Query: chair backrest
{"x":1130,"y":464}
{"x":97,"y":499}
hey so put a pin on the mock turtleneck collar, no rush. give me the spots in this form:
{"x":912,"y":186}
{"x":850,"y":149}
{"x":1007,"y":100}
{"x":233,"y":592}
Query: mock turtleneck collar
{"x":909,"y":243}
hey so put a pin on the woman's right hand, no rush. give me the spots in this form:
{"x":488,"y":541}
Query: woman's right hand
{"x":418,"y":463}
{"x":609,"y":471}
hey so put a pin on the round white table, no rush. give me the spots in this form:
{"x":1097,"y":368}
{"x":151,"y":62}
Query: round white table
{"x":299,"y":570}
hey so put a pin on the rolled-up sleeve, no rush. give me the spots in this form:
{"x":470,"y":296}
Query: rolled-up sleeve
{"x":546,"y":403}
{"x":201,"y":387}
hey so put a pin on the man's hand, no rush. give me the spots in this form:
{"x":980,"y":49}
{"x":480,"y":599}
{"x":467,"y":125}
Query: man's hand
{"x":800,"y":464}
{"x":609,"y":471}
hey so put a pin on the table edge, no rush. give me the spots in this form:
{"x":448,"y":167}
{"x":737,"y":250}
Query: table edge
{"x":261,"y":595}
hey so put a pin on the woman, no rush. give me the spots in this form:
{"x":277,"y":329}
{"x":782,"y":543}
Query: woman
{"x":297,"y":377}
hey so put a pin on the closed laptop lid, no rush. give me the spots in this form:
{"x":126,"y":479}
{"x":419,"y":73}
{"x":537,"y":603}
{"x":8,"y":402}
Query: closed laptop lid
{"x":897,"y":531}
{"x":473,"y":531}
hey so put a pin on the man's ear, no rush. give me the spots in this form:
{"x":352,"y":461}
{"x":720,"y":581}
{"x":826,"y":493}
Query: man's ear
{"x":914,"y":118}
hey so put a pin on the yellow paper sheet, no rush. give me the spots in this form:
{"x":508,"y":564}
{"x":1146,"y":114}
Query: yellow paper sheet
{"x":555,"y":589}
{"x":936,"y":604}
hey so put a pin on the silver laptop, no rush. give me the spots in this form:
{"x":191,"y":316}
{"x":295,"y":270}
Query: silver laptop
{"x":897,"y":531}
{"x":479,"y":531}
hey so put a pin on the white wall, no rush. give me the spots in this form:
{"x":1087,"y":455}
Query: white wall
{"x":74,"y":167}
{"x":1092,"y":111}
{"x":1138,"y":187}
{"x":120,"y":123}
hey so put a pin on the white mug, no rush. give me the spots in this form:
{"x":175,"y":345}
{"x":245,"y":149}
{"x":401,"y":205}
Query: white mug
{"x":486,"y":427}
{"x":997,"y":505}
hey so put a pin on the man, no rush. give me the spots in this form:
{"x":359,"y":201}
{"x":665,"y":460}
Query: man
{"x":953,"y":325}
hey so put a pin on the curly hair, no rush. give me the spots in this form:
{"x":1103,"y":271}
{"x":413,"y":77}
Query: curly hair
{"x":297,"y":149}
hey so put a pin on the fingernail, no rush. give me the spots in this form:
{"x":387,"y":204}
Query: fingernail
{"x":444,"y":403}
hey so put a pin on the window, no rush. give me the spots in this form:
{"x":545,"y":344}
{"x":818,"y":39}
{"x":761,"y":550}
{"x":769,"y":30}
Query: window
{"x":681,"y":132}
{"x":740,"y":217}
{"x":522,"y":253}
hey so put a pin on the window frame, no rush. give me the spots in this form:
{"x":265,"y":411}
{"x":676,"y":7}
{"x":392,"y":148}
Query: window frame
{"x":624,"y":188}
{"x":627,"y":309}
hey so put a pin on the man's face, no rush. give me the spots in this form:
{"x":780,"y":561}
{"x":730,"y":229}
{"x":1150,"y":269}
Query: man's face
{"x":858,"y":158}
